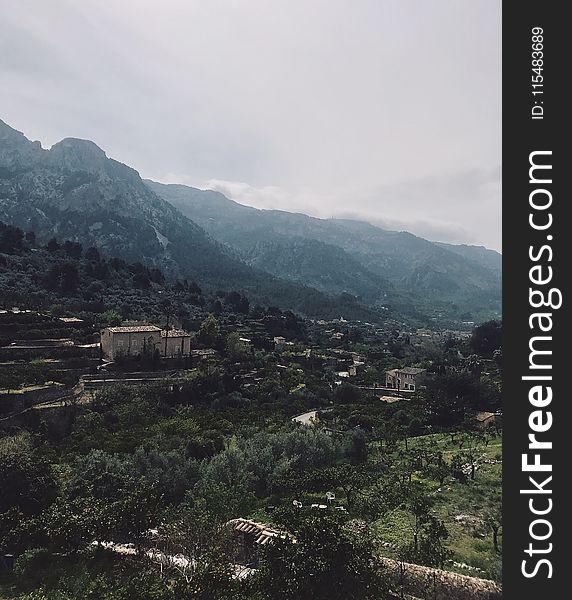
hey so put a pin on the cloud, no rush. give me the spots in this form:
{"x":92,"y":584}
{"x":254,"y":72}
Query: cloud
{"x":460,"y":208}
{"x":378,"y":107}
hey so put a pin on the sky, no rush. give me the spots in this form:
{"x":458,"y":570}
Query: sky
{"x":382,"y":110}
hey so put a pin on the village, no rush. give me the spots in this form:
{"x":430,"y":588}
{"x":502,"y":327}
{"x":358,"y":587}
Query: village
{"x":133,"y":353}
{"x":391,"y":405}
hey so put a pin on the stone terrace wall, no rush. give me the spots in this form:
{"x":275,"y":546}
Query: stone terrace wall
{"x":427,"y":583}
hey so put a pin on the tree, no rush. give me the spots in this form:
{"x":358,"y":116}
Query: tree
{"x":474,"y":365}
{"x":358,"y":449}
{"x":92,"y":254}
{"x":427,"y":546}
{"x":73,"y":249}
{"x":27,"y":482}
{"x":236,"y":349}
{"x":52,"y":245}
{"x":236,"y":302}
{"x":11,"y":238}
{"x":209,"y":332}
{"x":439,"y":469}
{"x":110,"y":318}
{"x":349,"y":478}
{"x":487,"y":338}
{"x":492,"y":517}
{"x":51,"y":279}
{"x":449,"y":398}
{"x":69,"y":278}
{"x":141,"y":281}
{"x":471,"y":444}
{"x":198,"y":529}
{"x":346,"y":393}
{"x":325,"y":557}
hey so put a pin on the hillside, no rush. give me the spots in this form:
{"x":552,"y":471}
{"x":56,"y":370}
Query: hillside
{"x":75,"y":192}
{"x":479,"y":254}
{"x":456,"y":279}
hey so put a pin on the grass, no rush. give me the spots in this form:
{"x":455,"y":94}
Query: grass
{"x":470,"y":541}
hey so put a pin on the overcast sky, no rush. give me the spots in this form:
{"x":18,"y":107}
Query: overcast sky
{"x":387,"y":110}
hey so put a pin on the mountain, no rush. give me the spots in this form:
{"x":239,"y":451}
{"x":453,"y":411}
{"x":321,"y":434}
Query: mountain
{"x":314,"y":266}
{"x":373,"y":263}
{"x":479,"y":254}
{"x":74,"y":191}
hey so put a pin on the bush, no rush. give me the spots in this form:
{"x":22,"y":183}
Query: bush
{"x":31,"y":562}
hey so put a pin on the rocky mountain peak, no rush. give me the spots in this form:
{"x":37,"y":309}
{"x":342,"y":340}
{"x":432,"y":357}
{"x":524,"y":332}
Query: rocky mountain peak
{"x":16,"y":149}
{"x":77,"y":154}
{"x":9,"y":133}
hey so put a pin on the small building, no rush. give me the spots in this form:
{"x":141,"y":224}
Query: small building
{"x":72,"y":321}
{"x":408,"y":378}
{"x":279,"y":343}
{"x":484,"y":420}
{"x":204,"y":354}
{"x":390,"y":399}
{"x":175,"y":343}
{"x":358,"y":359}
{"x":130,"y":340}
{"x":248,"y":537}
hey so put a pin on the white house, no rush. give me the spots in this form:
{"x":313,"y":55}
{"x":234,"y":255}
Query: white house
{"x":408,"y":378}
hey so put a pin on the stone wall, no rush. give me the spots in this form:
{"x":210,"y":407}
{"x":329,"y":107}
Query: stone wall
{"x":426,"y":583}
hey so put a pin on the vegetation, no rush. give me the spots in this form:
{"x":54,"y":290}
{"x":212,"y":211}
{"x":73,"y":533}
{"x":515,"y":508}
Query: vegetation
{"x":99,"y":491}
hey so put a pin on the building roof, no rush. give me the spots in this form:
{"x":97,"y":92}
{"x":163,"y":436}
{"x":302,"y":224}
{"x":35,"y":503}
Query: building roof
{"x":411,"y":370}
{"x":173,"y":333}
{"x":262,"y":533}
{"x":484,"y":416}
{"x":390,"y":399}
{"x":134,"y":329}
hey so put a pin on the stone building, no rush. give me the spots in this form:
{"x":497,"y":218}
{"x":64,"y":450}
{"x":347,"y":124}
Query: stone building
{"x":130,"y":340}
{"x":135,"y":340}
{"x":175,"y":343}
{"x":408,"y":378}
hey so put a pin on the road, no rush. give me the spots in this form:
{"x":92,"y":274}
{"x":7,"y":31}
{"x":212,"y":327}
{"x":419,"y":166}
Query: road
{"x":307,"y":419}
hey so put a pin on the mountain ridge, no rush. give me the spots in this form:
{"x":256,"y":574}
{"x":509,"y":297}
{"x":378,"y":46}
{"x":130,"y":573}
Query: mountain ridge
{"x":74,"y":191}
{"x":412,"y":266}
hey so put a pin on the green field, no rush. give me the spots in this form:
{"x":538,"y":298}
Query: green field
{"x":469,"y":539}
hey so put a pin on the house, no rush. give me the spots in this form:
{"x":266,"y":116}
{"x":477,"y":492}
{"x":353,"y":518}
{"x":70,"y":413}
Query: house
{"x":483,"y":420}
{"x":279,"y":343}
{"x":358,"y":359}
{"x":248,"y":537}
{"x":175,"y":343}
{"x":130,"y":340}
{"x":134,"y":340}
{"x":204,"y":355}
{"x":390,"y":399}
{"x":408,"y":378}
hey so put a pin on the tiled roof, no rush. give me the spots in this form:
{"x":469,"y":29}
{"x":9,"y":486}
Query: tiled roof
{"x":175,"y":333}
{"x":411,"y":370}
{"x":484,"y":416}
{"x":134,"y":329}
{"x":261,"y":532}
